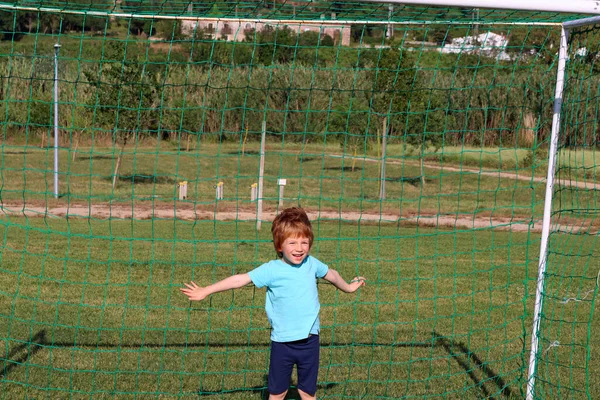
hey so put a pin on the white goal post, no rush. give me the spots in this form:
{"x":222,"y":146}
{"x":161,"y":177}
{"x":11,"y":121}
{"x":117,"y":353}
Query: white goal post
{"x":558,"y":99}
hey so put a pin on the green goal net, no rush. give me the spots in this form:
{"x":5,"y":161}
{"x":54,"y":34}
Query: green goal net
{"x":147,"y":144}
{"x":566,"y":332}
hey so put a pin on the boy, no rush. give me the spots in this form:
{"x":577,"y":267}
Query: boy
{"x":292,"y":302}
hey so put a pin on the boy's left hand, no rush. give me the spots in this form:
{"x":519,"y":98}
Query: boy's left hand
{"x":356,"y":282}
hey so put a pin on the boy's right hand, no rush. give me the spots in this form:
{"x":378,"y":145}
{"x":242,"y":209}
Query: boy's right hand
{"x":194,"y":292}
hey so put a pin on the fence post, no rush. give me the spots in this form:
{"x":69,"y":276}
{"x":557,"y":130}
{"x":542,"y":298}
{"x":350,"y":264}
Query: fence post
{"x":383,"y":155}
{"x":281,"y":182}
{"x":183,"y":190}
{"x":219,"y":191}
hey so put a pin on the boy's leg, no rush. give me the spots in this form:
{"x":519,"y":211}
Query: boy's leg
{"x":306,"y":396}
{"x":308,"y":368}
{"x":279,"y":396}
{"x":280,"y":371}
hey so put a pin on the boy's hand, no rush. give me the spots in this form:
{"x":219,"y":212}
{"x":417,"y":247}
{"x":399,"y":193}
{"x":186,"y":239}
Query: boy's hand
{"x":357,"y":282}
{"x":336,"y":280}
{"x":194,"y":292}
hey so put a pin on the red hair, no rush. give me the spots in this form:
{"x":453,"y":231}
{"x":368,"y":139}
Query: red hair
{"x":292,"y":222}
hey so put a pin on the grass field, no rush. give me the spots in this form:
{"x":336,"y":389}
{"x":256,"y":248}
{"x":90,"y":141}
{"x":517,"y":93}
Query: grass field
{"x":320,"y":177}
{"x":91,"y":307}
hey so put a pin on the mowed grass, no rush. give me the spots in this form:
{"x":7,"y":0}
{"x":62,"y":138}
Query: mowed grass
{"x":322,"y":177}
{"x":91,"y":308}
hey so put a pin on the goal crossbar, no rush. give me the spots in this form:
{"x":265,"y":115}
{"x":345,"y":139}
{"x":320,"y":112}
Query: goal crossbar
{"x":561,"y":6}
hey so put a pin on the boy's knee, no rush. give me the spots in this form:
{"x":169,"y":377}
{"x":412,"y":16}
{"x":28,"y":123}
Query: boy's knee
{"x":277,"y":396}
{"x":306,"y":396}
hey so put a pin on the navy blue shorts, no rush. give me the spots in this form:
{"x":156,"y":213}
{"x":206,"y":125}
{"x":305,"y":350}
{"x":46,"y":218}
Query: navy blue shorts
{"x":302,"y":353}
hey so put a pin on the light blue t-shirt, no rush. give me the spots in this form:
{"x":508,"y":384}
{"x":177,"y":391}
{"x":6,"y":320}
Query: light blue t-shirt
{"x":292,"y":303}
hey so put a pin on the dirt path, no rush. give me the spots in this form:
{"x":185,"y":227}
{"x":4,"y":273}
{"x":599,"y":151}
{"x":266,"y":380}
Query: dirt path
{"x":516,"y":176}
{"x":499,"y":174}
{"x":188,"y":212}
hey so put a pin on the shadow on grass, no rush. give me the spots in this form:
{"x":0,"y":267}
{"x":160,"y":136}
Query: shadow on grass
{"x":411,"y":180}
{"x":142,"y":179}
{"x":262,"y":390}
{"x":489,"y":382}
{"x":246,"y":152}
{"x":20,"y":354}
{"x":470,"y":362}
{"x":345,"y":169}
{"x":306,"y":159}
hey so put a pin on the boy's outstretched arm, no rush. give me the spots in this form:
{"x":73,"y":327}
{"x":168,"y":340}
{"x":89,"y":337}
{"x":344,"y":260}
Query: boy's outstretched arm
{"x":336,"y":280}
{"x":195,"y":292}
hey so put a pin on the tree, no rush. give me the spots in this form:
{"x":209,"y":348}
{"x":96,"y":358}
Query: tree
{"x":126,"y":97}
{"x":13,"y":25}
{"x":439,"y":34}
{"x":361,"y":33}
{"x":429,"y":132}
{"x":398,"y":95}
{"x":168,"y":29}
{"x":138,"y":26}
{"x":395,"y":84}
{"x":352,"y":126}
{"x":86,"y":23}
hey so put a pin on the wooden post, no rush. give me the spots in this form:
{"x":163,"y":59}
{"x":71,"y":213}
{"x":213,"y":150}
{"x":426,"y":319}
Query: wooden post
{"x":261,"y":173}
{"x":116,"y":174}
{"x":383,"y":149}
{"x":378,"y":144}
{"x":422,"y":162}
{"x":78,"y":134}
{"x":244,"y":141}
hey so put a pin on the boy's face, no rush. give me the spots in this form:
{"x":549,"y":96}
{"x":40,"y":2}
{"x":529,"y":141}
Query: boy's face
{"x":295,"y":249}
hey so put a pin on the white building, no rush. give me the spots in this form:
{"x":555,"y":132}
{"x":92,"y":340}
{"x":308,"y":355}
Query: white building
{"x":489,"y":44}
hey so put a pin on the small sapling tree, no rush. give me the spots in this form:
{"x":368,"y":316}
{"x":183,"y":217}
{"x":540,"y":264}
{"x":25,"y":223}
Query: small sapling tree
{"x":125,"y":99}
